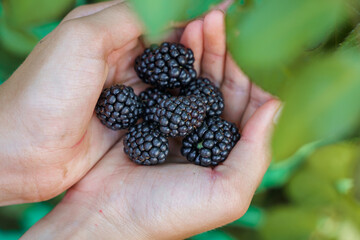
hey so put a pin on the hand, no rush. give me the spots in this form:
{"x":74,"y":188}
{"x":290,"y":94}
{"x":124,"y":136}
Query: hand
{"x":49,"y":135}
{"x":119,"y":199}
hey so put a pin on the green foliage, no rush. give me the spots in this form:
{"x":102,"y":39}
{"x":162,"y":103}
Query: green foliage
{"x":41,"y":31}
{"x":308,"y":188}
{"x":17,"y":41}
{"x":25,"y":13}
{"x":285,"y":223}
{"x":157,"y":15}
{"x":340,"y":161}
{"x":33,"y":214}
{"x":253,"y":218}
{"x":215,"y":234}
{"x":353,"y":40}
{"x":21,"y":17}
{"x":10,"y":235}
{"x":8,"y":63}
{"x":273,"y":34}
{"x":316,"y":208}
{"x":279,"y":173}
{"x":315,"y":103}
{"x":16,"y":219}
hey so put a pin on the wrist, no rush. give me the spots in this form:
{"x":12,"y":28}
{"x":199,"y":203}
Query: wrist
{"x":66,"y":221}
{"x":82,"y":221}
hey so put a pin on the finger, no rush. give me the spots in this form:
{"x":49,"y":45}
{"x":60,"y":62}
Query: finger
{"x":249,"y":160}
{"x":236,"y":91}
{"x":193,"y":38}
{"x":101,"y":137}
{"x":103,"y":31}
{"x":213,"y":59}
{"x":88,"y":9}
{"x":257,"y":98}
{"x":79,"y":48}
{"x":114,"y":158}
{"x":121,"y":64}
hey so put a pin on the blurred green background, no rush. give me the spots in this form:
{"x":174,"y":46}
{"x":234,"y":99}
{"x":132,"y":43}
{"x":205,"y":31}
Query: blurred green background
{"x":306,"y":52}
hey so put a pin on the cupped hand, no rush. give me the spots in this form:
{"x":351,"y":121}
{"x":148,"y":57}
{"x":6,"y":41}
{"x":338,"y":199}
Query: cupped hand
{"x":119,"y":199}
{"x":50,"y":136}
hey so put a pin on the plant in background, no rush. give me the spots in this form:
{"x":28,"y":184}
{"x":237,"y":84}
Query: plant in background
{"x":307,"y":53}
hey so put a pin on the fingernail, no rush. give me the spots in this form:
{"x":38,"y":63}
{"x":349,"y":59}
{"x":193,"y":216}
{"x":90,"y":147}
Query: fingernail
{"x":278,"y":114}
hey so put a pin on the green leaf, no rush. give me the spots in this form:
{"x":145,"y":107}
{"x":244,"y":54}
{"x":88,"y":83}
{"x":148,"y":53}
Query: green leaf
{"x":213,"y":235}
{"x":252,"y":218}
{"x":80,"y":2}
{"x":10,"y":235}
{"x":275,"y":33}
{"x":286,"y":223}
{"x":279,"y":173}
{"x":17,"y":41}
{"x":1,"y":9}
{"x":157,"y":15}
{"x":10,"y":214}
{"x":3,"y":76}
{"x":308,"y":188}
{"x":344,"y":186}
{"x":339,"y":159}
{"x":93,"y":1}
{"x":43,"y":30}
{"x":24,"y":13}
{"x":8,"y":64}
{"x":357,"y":179}
{"x":321,"y":104}
{"x":198,"y":7}
{"x":353,"y":40}
{"x":34,"y":214}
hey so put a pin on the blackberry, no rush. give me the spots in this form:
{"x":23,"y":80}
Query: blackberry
{"x":179,"y":116}
{"x":118,"y":107}
{"x":151,"y":98}
{"x":145,"y":144}
{"x":211,"y":143}
{"x":170,"y":65}
{"x":211,"y":94}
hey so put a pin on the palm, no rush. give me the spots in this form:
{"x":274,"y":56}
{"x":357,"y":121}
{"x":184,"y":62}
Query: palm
{"x":96,"y":140}
{"x":151,"y":192}
{"x":177,"y":189}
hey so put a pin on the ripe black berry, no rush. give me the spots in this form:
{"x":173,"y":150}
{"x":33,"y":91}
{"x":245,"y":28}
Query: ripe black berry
{"x":179,"y":116}
{"x":118,"y":107}
{"x":211,"y":143}
{"x":145,"y":144}
{"x":211,"y":94}
{"x":151,"y":98}
{"x":169,"y":65}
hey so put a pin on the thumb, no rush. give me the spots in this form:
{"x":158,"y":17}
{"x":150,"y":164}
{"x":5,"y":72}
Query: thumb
{"x":75,"y":53}
{"x":250,"y":158}
{"x":65,"y":73}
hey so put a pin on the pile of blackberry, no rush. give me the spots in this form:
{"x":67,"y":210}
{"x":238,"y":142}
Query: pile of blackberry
{"x":193,"y":114}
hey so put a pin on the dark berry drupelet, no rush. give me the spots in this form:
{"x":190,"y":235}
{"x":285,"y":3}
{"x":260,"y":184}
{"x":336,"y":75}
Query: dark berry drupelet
{"x":151,"y":97}
{"x":179,"y":116}
{"x":170,"y":65}
{"x":145,"y":144}
{"x":211,"y":94}
{"x":118,"y":107}
{"x":211,"y":143}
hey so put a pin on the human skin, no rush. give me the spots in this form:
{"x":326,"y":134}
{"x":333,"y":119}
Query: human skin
{"x":53,"y":139}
